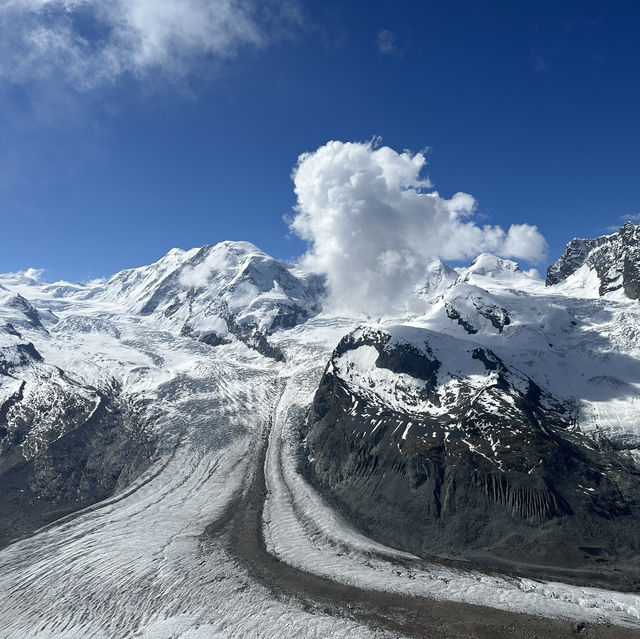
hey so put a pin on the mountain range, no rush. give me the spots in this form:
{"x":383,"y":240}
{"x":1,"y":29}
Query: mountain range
{"x":484,"y":450}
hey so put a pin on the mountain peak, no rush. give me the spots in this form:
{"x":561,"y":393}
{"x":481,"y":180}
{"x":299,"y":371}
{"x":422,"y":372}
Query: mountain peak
{"x":218,"y":292}
{"x":492,"y":265}
{"x":629,"y":231}
{"x":615,"y":260}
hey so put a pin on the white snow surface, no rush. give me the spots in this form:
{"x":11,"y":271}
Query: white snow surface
{"x":136,"y":565}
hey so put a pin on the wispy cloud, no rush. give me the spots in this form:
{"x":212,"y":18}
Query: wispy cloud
{"x":28,"y":275}
{"x":87,"y":43}
{"x":539,"y":63}
{"x":386,"y":43}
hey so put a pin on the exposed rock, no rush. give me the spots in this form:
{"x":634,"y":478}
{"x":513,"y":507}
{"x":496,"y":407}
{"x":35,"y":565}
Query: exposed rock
{"x":470,"y":305}
{"x":454,"y":314}
{"x":436,"y":446}
{"x":64,"y":444}
{"x":90,"y":456}
{"x":614,"y":258}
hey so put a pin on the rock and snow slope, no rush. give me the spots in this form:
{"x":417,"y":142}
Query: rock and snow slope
{"x":183,"y":370}
{"x":436,"y":446}
{"x":614,"y":259}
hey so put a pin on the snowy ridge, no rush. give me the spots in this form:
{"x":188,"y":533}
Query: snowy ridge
{"x":456,"y":370}
{"x":564,"y":337}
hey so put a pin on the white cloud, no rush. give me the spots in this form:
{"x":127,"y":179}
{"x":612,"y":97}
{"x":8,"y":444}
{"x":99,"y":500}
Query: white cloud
{"x":196,"y":276}
{"x":373,"y":223}
{"x":92,"y":42}
{"x":525,"y":242}
{"x":33,"y":273}
{"x":28,"y":276}
{"x":386,"y":43}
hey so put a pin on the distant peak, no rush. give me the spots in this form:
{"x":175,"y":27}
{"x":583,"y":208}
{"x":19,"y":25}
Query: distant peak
{"x":614,"y":258}
{"x":234,"y":247}
{"x":487,"y":264}
{"x":238,"y":246}
{"x":629,"y":230}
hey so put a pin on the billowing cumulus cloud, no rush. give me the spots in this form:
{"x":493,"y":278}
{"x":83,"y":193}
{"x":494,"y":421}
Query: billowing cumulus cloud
{"x":92,"y":42}
{"x":373,"y":222}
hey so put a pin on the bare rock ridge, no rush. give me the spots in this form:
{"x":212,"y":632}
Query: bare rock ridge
{"x":614,"y":258}
{"x":434,"y":445}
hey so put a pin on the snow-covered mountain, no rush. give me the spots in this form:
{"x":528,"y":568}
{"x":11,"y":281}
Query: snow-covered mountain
{"x":229,"y":291}
{"x":67,"y":439}
{"x":203,"y":415}
{"x":613,"y":261}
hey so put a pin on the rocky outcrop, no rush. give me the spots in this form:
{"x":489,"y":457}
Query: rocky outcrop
{"x":63,"y":446}
{"x":474,"y":308}
{"x":614,"y":258}
{"x":574,"y":256}
{"x":436,"y":446}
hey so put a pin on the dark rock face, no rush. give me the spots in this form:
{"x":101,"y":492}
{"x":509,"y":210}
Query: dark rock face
{"x":20,"y":355}
{"x":574,"y":256}
{"x":254,"y":338}
{"x":492,"y":472}
{"x":454,"y":314}
{"x":20,"y":304}
{"x":615,"y":258}
{"x":497,"y":316}
{"x":98,"y":446}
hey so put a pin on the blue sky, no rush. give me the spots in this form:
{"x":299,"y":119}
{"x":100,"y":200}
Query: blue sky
{"x":531,"y":107}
